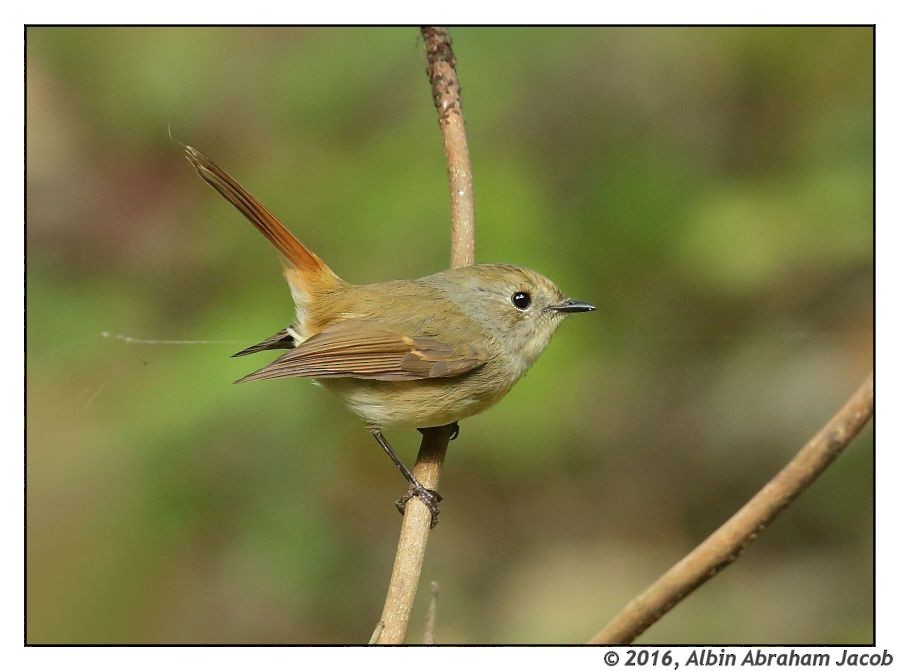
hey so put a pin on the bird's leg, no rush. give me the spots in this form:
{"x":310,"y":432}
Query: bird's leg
{"x":429,"y":497}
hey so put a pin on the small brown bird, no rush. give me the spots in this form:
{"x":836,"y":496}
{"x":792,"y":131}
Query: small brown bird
{"x":416,"y":353}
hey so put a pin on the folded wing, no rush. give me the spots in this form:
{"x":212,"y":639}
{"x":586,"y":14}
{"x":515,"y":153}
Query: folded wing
{"x":369,"y":349}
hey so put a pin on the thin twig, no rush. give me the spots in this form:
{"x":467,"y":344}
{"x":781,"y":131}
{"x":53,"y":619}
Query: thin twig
{"x":727,"y":543}
{"x":416,"y":525}
{"x":376,"y":634}
{"x":431,"y":616}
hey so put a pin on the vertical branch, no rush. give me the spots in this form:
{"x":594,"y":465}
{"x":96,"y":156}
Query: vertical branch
{"x":414,"y":531}
{"x":445,"y":91}
{"x":727,"y":543}
{"x":431,"y":617}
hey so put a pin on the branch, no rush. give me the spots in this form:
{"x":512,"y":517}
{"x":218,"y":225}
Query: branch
{"x":431,"y":617}
{"x":727,"y":543}
{"x":445,"y":92}
{"x":416,"y":525}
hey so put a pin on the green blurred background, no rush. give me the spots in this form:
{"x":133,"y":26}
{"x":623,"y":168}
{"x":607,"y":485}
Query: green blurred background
{"x":710,"y":190}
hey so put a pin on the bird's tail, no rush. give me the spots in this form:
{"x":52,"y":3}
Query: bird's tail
{"x":306,"y":271}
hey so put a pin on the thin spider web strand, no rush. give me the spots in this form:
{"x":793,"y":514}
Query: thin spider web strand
{"x":152,"y":341}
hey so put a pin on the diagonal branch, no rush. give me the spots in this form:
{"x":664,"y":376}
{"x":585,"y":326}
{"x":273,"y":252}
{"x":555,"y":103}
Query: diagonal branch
{"x":727,"y":543}
{"x":445,"y":91}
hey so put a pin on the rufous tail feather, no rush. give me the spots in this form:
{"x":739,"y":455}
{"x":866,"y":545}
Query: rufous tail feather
{"x":268,"y":224}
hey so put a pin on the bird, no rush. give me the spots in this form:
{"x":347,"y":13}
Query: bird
{"x":416,"y":353}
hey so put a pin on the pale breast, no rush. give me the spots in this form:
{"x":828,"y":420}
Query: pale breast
{"x":418,"y":403}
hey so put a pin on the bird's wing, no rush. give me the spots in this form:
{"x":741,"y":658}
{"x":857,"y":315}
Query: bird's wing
{"x":371,"y":349}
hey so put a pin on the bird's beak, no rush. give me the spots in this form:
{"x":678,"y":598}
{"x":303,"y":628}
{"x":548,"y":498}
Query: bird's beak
{"x":571,"y":305}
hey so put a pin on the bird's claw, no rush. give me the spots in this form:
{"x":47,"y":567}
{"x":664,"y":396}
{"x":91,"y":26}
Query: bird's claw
{"x":428,"y":496}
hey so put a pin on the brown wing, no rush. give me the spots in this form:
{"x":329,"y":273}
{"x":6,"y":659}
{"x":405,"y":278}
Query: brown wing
{"x":369,"y":349}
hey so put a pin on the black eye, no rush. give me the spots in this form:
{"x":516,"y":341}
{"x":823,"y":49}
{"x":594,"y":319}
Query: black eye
{"x":521,"y":300}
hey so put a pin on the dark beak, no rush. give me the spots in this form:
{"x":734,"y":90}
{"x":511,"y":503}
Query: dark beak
{"x":571,"y":305}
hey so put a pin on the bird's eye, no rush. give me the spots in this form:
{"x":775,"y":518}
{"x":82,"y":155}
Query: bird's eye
{"x":521,"y":300}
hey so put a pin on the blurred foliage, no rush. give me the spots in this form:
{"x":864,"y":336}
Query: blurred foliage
{"x":709,"y":189}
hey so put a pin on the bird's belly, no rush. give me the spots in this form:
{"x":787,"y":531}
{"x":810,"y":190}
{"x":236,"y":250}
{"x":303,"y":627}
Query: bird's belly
{"x":419,"y":404}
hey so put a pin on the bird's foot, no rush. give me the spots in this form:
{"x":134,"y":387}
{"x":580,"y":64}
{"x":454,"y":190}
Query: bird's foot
{"x":428,"y":496}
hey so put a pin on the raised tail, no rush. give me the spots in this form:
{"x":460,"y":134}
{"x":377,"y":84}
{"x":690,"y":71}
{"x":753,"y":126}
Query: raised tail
{"x":310,"y":266}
